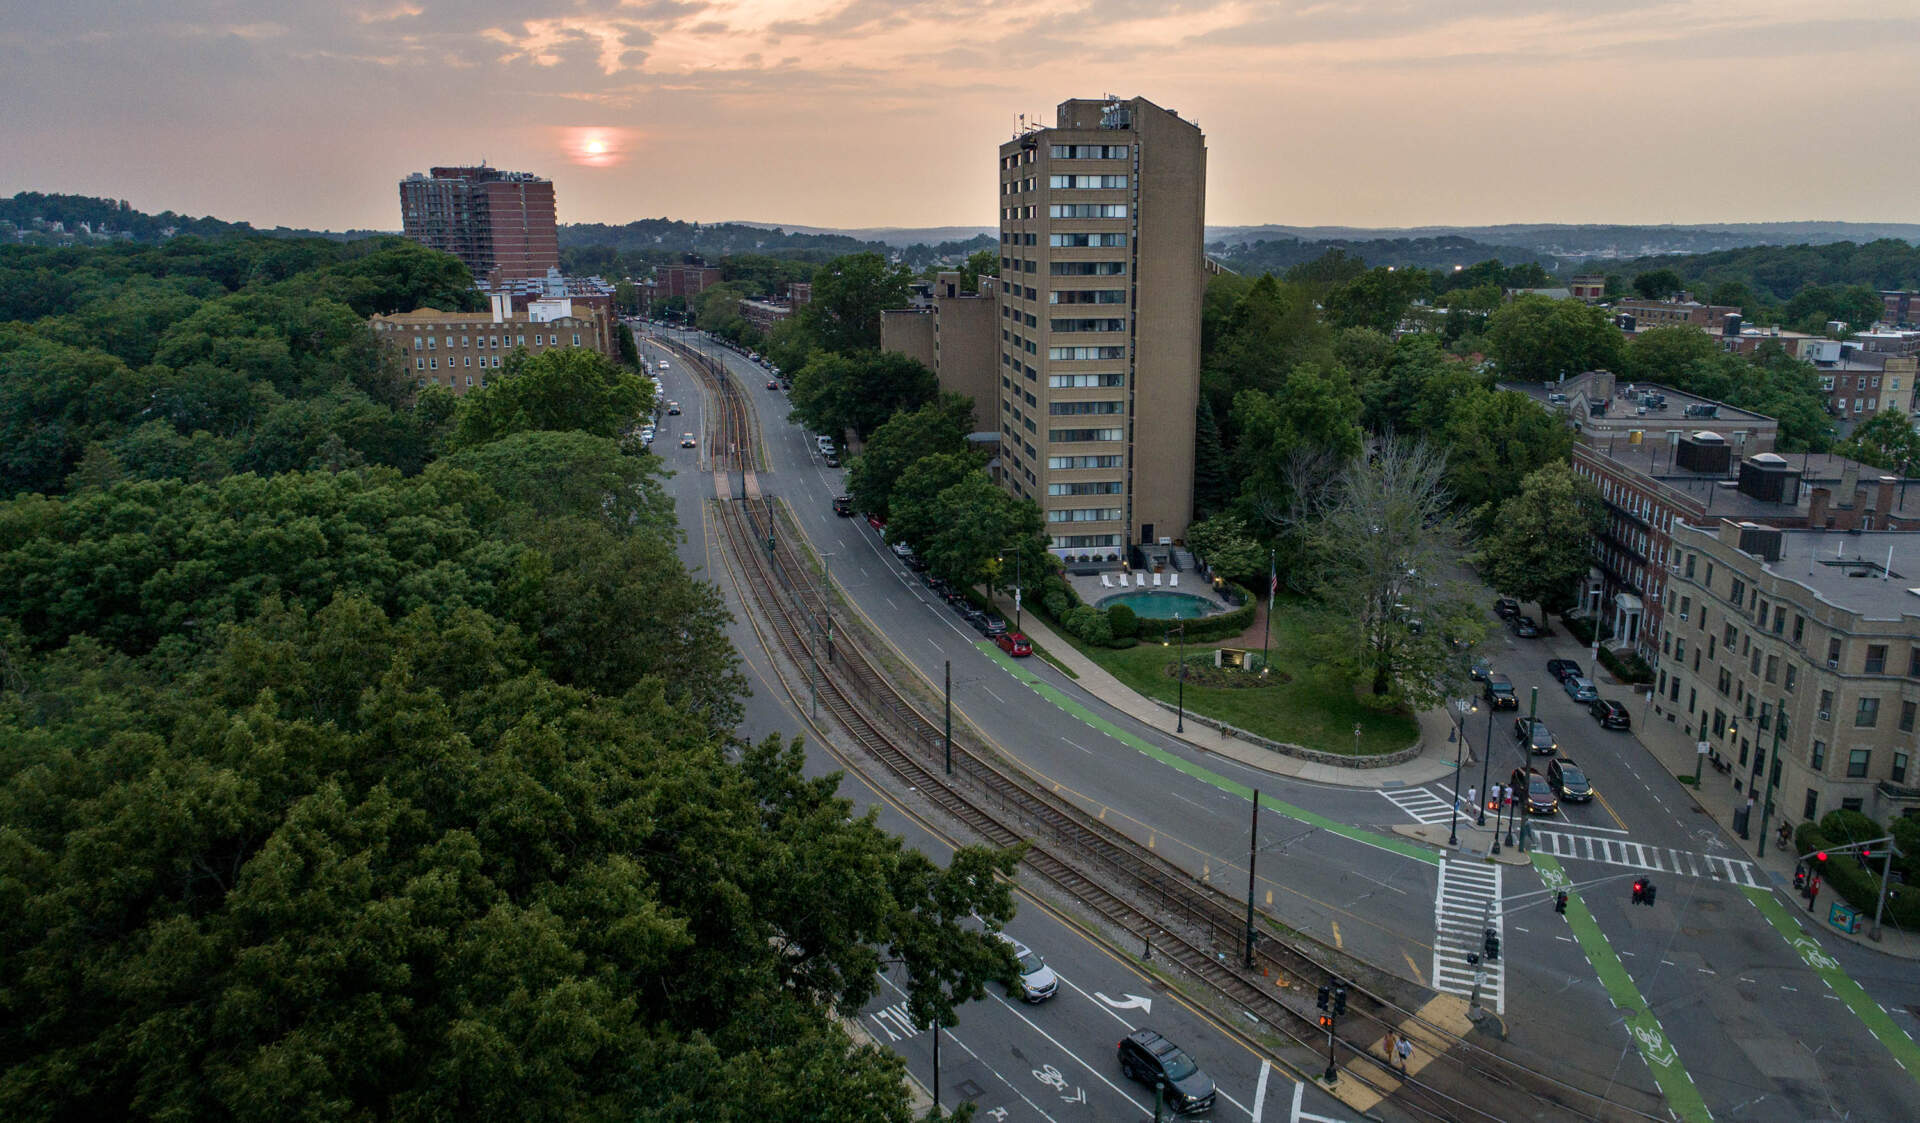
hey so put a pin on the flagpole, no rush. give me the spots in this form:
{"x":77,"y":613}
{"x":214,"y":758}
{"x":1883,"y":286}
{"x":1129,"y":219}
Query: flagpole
{"x":1273,"y":585}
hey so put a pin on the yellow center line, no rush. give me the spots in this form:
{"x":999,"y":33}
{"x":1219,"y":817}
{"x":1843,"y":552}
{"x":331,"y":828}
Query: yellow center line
{"x":1415,"y":968}
{"x":1617,"y":821}
{"x":1337,"y":941}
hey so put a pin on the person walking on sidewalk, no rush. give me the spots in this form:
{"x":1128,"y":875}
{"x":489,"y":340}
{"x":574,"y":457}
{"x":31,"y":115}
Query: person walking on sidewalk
{"x":1403,"y":1049}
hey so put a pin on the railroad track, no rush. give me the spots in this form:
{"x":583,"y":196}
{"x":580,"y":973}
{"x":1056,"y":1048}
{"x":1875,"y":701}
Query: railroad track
{"x":1188,"y":925}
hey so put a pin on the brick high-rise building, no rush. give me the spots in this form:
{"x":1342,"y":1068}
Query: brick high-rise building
{"x":501,"y":224}
{"x":1101,"y":279}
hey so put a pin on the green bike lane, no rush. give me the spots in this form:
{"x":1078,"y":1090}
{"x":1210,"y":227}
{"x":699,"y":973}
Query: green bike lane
{"x":1784,"y":921}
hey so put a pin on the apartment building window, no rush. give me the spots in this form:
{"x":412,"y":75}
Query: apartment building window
{"x":1818,"y":761}
{"x":1087,"y":210}
{"x":1899,"y":774}
{"x":1087,"y":151}
{"x":1857,"y":762}
{"x":1086,"y":182}
{"x":432,"y":342}
{"x":1088,"y":325}
{"x":1719,"y":723}
{"x":1084,"y":541}
{"x":1085,"y":515}
{"x":1087,"y":296}
{"x":1876,"y":658}
{"x":1799,"y":628}
{"x":1779,"y":619}
{"x":1812,"y":806}
{"x":1690,"y":558}
{"x":1793,"y":673}
{"x":1833,"y":652}
{"x":1070,"y":436}
{"x":466,"y":361}
{"x":1093,"y":241}
{"x":1826,"y":705}
{"x":1072,"y":409}
{"x":419,"y":364}
{"x":1085,"y":354}
{"x":1867,"y":713}
{"x":1086,"y":268}
{"x":433,"y":364}
{"x":576,"y":339}
{"x":1732,"y":633}
{"x":1070,"y":463}
{"x":1753,"y":663}
{"x":1773,"y":666}
{"x":1083,"y":381}
{"x":1906,"y":717}
{"x":1096,"y":487}
{"x":1739,"y":592}
{"x":1679,"y":649}
{"x":1686,"y":607}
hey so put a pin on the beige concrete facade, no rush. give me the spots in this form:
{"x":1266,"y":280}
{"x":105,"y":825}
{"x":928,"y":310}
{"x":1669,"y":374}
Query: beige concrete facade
{"x":1100,"y":288}
{"x":1812,"y":624}
{"x":966,"y":351}
{"x":909,"y":331}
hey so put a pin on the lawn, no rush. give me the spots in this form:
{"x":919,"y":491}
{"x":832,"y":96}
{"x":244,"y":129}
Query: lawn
{"x":1305,"y":710}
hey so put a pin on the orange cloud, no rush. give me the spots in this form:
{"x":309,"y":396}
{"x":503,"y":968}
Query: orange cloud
{"x":597,"y":146}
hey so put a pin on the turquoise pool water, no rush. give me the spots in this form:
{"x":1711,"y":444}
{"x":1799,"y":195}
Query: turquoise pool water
{"x":1162,"y":606}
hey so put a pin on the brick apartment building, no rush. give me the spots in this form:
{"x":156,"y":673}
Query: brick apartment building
{"x":459,"y":350}
{"x":501,"y":224}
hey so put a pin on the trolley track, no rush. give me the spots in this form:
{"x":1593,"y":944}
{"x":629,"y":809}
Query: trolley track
{"x":1189,"y":925}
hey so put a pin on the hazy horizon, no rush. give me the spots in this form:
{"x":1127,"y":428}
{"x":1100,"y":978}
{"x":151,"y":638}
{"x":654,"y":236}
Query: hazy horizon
{"x":1374,"y":113}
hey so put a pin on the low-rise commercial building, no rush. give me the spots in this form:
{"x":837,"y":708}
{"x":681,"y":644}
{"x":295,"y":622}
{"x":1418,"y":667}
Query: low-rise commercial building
{"x":460,"y":350}
{"x":1796,"y":653}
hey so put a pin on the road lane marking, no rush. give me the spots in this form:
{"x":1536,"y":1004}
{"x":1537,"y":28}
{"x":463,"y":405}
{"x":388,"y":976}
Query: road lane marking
{"x":1299,"y":1090}
{"x":1260,"y":1091}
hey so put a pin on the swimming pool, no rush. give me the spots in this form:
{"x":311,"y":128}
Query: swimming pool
{"x":1162,"y":606}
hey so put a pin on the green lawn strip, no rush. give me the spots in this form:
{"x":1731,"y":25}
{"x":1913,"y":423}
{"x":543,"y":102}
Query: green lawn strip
{"x":1902,"y":1047}
{"x":1301,"y":814}
{"x":1305,"y":710}
{"x":1674,"y":1080}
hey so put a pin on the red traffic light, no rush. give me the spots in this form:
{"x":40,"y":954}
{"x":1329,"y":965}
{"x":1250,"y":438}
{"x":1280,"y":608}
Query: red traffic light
{"x":1821,"y":856}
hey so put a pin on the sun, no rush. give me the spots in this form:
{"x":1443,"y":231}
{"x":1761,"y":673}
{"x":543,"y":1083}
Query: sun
{"x":595,"y":146}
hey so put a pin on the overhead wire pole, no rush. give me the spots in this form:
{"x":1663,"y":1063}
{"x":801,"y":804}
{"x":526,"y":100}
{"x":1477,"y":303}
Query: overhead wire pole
{"x":1253,"y":852}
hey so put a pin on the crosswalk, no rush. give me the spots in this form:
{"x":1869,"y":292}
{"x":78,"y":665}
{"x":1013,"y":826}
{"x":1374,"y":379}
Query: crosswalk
{"x":1659,"y":859}
{"x":1465,"y":905}
{"x":1425,"y":807}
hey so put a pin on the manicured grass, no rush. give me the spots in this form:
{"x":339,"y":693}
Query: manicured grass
{"x":1307,"y":710}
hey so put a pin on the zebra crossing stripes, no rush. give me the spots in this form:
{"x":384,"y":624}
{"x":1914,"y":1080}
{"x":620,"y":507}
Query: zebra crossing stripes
{"x":1425,"y":807}
{"x":1635,"y":855}
{"x":1466,"y":904}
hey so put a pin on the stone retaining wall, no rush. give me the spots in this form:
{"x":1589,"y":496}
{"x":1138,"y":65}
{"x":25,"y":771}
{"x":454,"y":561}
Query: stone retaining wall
{"x":1382,"y":760}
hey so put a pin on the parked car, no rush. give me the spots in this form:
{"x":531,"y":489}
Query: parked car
{"x":905,"y":553}
{"x":832,"y":460}
{"x":876,"y":522}
{"x":1506,"y":608}
{"x":1523,"y":627}
{"x":1480,"y":669}
{"x":1561,"y":668}
{"x":990,"y":626}
{"x":1153,"y":1060}
{"x":1014,"y":644}
{"x":1534,"y":734}
{"x":1569,"y":780}
{"x":1540,"y":797}
{"x":823,"y":442}
{"x":1580,"y":688}
{"x":972,"y":614}
{"x":1499,"y":693}
{"x":1037,"y":980}
{"x":687,"y":441}
{"x":1610,"y":714}
{"x":843,"y":505}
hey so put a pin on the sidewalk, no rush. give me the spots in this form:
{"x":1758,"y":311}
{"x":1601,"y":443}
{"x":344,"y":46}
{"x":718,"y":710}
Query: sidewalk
{"x":1434,"y":762}
{"x":1668,"y":736}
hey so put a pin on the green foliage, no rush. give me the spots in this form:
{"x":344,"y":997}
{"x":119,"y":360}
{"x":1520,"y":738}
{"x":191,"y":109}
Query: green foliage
{"x":1212,"y":486}
{"x":1376,"y":299}
{"x":980,"y":263}
{"x":568,"y":389}
{"x":1627,"y":666}
{"x":1885,"y":440}
{"x":1494,"y":439}
{"x":1272,"y":328}
{"x":1858,"y":886}
{"x":939,"y":426}
{"x":1656,"y":284}
{"x":1091,"y":625}
{"x":1540,"y":543}
{"x":1775,"y":274}
{"x":629,"y":350}
{"x":1771,"y":382}
{"x":849,"y":294}
{"x":1314,"y":411}
{"x":1122,"y":622}
{"x":1535,"y":338}
{"x":837,"y":392}
{"x":1227,"y":546}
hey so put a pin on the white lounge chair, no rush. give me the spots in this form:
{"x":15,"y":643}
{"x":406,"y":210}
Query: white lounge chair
{"x":1105,"y":581}
{"x":1173,"y":579}
{"x":1140,"y":578}
{"x":1156,"y":579}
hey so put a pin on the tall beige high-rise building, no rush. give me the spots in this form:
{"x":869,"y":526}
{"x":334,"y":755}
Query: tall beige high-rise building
{"x":1101,"y":280}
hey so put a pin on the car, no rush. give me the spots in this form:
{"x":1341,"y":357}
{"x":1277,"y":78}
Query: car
{"x":1540,"y":797}
{"x":673,"y":409}
{"x":663,"y":364}
{"x":1580,"y":688}
{"x":876,"y":522}
{"x":687,"y":441}
{"x":1534,"y":734}
{"x":1037,"y":980}
{"x":970,"y":613}
{"x":1561,"y":668}
{"x":1524,"y":627}
{"x":823,"y":442}
{"x":773,"y":384}
{"x":843,"y":506}
{"x":1499,"y":693}
{"x":1480,"y":669}
{"x":1014,"y":644}
{"x":1156,"y":1062}
{"x":1610,"y":714}
{"x":1506,"y":608}
{"x":832,"y":460}
{"x":990,"y":626}
{"x":1569,"y":780}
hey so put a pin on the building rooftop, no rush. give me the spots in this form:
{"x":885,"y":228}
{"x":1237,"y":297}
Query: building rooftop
{"x":1719,"y":493}
{"x":1852,"y":571}
{"x":1629,"y":401}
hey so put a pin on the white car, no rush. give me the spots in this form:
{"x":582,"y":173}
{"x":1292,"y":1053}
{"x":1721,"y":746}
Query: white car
{"x":1037,"y":980}
{"x":823,"y":443}
{"x":663,"y":365}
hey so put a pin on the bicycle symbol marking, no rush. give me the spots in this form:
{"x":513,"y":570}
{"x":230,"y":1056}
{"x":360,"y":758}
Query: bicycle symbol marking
{"x":1051,"y":1077}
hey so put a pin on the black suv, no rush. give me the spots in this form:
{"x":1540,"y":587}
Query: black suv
{"x":843,"y":506}
{"x":1506,"y":607}
{"x":1152,"y":1059}
{"x":1569,"y":780}
{"x":1534,"y":734}
{"x":1499,"y":693}
{"x":1562,"y":669}
{"x":1610,"y":715}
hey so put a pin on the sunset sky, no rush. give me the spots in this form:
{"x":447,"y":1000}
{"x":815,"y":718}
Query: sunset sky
{"x":887,"y":112}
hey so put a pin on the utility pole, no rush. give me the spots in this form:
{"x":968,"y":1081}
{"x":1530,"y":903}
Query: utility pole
{"x":949,"y":738}
{"x":1253,"y":852}
{"x":1766,"y":779}
{"x":1480,"y":819}
{"x":826,"y":600}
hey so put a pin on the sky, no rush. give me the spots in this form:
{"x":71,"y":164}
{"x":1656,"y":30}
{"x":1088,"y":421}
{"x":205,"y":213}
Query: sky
{"x":867,"y":113}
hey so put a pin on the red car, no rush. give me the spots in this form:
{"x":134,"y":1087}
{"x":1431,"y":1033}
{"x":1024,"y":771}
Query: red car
{"x":1014,"y":644}
{"x":876,"y":522}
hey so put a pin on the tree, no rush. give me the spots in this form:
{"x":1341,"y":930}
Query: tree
{"x":629,"y":350}
{"x":1272,"y":329}
{"x":1228,"y":548}
{"x":1541,"y":543}
{"x":1315,"y":409}
{"x":839,"y":392}
{"x":940,"y":426}
{"x":1380,"y":538}
{"x":849,"y":293}
{"x":1536,"y":338}
{"x":570,"y":388}
{"x":979,"y":263}
{"x":1212,"y":487}
{"x":1493,"y":439}
{"x":1670,"y":354}
{"x":1376,"y":299}
{"x":1885,"y":440}
{"x":916,"y":514}
{"x":1657,"y":284}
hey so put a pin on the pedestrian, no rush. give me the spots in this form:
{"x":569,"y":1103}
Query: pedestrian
{"x":1404,"y":1050}
{"x":1473,"y":797}
{"x":1507,"y":795}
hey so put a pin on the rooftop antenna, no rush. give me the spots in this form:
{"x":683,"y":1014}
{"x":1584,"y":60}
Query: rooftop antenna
{"x":1888,"y":571}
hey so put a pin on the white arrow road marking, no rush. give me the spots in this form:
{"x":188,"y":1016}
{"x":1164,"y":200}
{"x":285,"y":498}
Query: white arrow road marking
{"x":1133,"y":1002}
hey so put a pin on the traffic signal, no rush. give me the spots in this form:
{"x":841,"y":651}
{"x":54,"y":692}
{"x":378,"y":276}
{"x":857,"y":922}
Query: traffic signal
{"x":1340,"y":998}
{"x":1490,"y":943}
{"x":1639,"y":890}
{"x":1560,"y":901}
{"x":1326,"y":1022}
{"x":1651,"y":890}
{"x":1325,"y":993}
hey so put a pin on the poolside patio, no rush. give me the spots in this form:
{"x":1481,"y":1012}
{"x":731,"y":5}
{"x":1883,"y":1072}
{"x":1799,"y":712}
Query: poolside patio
{"x":1191,"y":584}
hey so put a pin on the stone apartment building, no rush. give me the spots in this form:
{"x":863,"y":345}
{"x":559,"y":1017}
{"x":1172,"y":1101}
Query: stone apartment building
{"x":1796,"y":653}
{"x":459,"y":350}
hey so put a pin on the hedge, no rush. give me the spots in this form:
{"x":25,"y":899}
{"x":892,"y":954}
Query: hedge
{"x":1229,"y":623}
{"x":1627,"y":668}
{"x":1859,"y":888}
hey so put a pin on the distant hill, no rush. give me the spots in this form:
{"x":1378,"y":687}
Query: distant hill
{"x":36,"y":218}
{"x":661,"y":238}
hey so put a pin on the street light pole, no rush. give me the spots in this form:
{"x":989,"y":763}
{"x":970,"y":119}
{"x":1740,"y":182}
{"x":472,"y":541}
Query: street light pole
{"x":1253,"y":852}
{"x":949,"y":737}
{"x":826,"y":600}
{"x":1480,"y":820}
{"x":1179,"y":628}
{"x":1459,"y":756}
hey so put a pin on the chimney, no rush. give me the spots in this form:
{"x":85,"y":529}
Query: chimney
{"x":1817,"y":500}
{"x":1883,"y":502}
{"x":502,"y":307}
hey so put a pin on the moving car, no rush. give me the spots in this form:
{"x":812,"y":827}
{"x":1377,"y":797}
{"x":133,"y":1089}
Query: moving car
{"x":773,"y":384}
{"x":1570,"y":780}
{"x":1480,"y":669}
{"x":1580,"y":689}
{"x":673,"y":409}
{"x":843,"y":505}
{"x":663,"y":364}
{"x":1540,"y":797}
{"x":1561,"y":668}
{"x":1610,"y":714}
{"x":1037,"y":980}
{"x":1014,"y":644}
{"x":1506,"y":608}
{"x":1534,"y":734}
{"x":1523,"y":626}
{"x":687,"y":441}
{"x":1153,"y":1060}
{"x":1499,"y":692}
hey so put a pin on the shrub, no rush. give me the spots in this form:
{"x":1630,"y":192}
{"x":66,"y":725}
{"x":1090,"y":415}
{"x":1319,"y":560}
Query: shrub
{"x":1628,"y":667}
{"x":1076,"y":621}
{"x":1122,"y":621}
{"x":1858,"y":886}
{"x":1094,"y":627}
{"x":1849,"y":826}
{"x":1056,"y":604}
